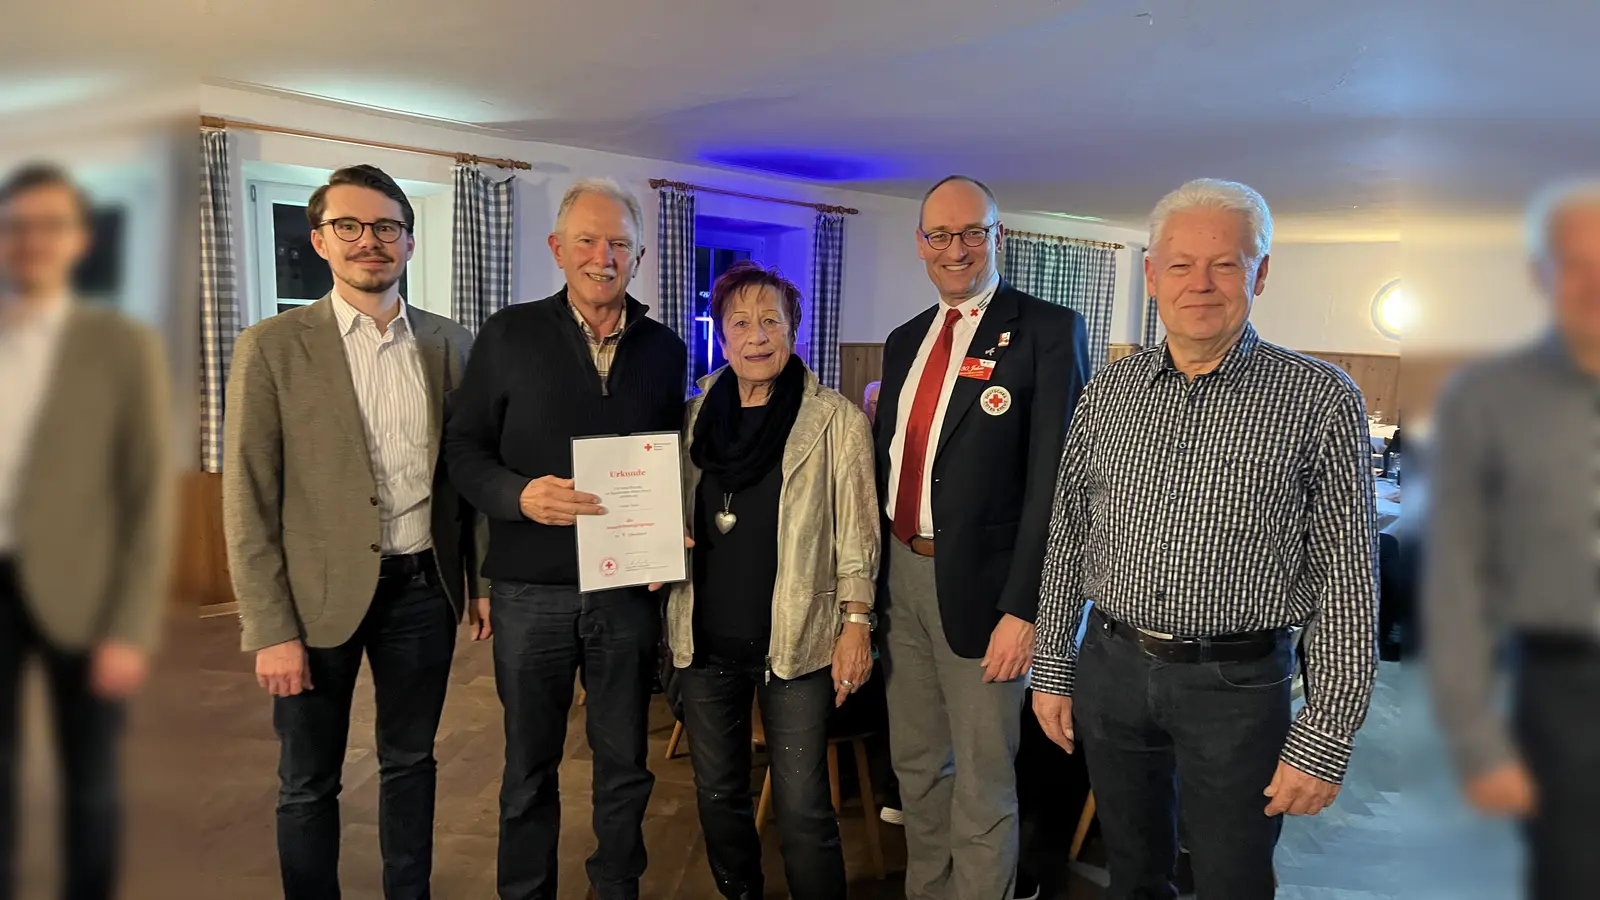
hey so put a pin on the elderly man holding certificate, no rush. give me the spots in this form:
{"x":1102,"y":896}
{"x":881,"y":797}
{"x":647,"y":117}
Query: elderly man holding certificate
{"x":584,"y":362}
{"x":779,"y":603}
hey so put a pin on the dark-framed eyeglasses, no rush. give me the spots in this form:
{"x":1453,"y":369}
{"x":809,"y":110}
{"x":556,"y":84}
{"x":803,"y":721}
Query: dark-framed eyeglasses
{"x":972,"y":237}
{"x":350,"y":229}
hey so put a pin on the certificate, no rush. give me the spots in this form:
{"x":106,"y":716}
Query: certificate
{"x":639,"y":538}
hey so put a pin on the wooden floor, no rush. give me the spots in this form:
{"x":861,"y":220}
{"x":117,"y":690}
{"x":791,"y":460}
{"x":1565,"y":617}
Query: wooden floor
{"x":202,"y":760}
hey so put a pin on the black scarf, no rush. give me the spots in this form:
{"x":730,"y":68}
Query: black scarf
{"x":717,"y":449}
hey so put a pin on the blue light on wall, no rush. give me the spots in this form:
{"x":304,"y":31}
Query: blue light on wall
{"x":806,"y":164}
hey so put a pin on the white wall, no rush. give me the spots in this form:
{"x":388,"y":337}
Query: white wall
{"x":1319,"y":296}
{"x":884,"y":282}
{"x":1471,"y":295}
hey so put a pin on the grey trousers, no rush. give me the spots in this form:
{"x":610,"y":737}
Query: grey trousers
{"x":953,"y":741}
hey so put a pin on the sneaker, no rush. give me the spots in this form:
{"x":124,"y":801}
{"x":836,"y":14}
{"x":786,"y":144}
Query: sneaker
{"x":892,"y":816}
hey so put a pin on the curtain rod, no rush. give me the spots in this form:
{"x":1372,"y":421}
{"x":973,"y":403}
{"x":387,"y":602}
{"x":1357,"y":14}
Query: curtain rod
{"x":658,"y":183}
{"x":216,"y":122}
{"x":1033,"y":235}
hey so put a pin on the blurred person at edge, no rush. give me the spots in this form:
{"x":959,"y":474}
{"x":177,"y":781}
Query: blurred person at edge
{"x":85,"y":515}
{"x":1512,"y":561}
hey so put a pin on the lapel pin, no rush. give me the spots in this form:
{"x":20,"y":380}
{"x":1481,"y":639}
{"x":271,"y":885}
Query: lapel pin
{"x":989,"y":352}
{"x":1005,"y":338}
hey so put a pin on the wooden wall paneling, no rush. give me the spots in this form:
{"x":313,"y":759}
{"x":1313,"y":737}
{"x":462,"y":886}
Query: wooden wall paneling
{"x":860,"y":364}
{"x":1378,"y":377}
{"x":200,"y":576}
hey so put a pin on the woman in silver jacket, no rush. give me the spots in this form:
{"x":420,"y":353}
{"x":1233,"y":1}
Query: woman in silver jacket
{"x":783,"y":512}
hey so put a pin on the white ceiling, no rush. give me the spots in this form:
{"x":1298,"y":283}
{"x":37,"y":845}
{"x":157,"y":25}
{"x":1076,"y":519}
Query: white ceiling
{"x":1349,"y":116}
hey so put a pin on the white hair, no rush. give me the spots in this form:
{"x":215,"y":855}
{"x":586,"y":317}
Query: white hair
{"x":1217,"y":194}
{"x":1549,"y":204}
{"x":605,"y":187}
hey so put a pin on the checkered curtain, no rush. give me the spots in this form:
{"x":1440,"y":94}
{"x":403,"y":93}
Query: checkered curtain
{"x":1152,"y":323}
{"x":675,"y":284}
{"x":220,"y":318}
{"x":1081,"y":276}
{"x":827,"y":283}
{"x":480,"y":282}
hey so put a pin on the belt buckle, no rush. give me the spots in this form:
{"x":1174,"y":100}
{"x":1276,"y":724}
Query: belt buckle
{"x":1157,"y":634}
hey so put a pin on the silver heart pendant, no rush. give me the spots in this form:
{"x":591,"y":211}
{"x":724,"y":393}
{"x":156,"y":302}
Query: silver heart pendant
{"x":725,"y":521}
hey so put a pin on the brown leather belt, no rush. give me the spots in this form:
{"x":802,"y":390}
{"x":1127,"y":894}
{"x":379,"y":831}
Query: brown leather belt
{"x":921,"y":546}
{"x":1245,"y":646}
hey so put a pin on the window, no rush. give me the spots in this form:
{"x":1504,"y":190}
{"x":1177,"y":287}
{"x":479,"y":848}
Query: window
{"x":714,"y":252}
{"x":285,"y":269}
{"x":99,"y":276}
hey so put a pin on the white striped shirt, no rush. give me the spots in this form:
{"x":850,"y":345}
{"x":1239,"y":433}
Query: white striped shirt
{"x":27,"y":363}
{"x":392,"y":392}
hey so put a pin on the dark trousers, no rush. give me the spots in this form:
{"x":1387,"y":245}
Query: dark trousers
{"x":1200,"y":738}
{"x":716,"y":709}
{"x":1558,"y":688}
{"x":87,"y":728}
{"x":542,"y":634}
{"x":408,"y":637}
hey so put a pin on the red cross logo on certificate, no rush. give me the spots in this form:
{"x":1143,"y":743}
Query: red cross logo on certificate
{"x":608,"y":566}
{"x":647,"y":447}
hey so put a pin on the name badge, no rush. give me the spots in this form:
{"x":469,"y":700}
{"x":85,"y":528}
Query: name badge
{"x":973,"y":367}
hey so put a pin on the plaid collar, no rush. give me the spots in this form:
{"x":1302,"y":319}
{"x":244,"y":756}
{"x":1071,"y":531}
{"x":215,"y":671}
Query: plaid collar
{"x":1234,"y":363}
{"x":589,"y":332}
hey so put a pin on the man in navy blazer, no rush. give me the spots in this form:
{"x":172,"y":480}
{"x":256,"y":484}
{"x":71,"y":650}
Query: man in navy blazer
{"x":977,"y":393}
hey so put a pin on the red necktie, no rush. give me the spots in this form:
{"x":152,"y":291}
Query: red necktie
{"x":908,"y":496}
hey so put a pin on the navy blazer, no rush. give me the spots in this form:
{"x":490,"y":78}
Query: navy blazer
{"x":994,"y":470}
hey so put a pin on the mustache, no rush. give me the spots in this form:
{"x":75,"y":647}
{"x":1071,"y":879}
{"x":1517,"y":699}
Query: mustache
{"x":381,"y":257}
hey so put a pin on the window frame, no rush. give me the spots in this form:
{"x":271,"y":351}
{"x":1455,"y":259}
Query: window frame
{"x":260,"y":247}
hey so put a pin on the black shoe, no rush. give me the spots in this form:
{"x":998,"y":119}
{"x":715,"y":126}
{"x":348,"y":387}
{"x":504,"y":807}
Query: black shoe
{"x":1027,"y":887}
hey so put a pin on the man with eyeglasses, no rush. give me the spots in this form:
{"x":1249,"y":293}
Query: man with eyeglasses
{"x":977,"y":394}
{"x":345,"y":538}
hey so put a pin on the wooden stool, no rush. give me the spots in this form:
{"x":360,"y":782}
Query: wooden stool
{"x":869,"y":805}
{"x":1085,"y":819}
{"x":672,"y":742}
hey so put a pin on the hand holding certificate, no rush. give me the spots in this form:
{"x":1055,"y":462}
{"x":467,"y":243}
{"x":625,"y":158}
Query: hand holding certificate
{"x":638,"y":539}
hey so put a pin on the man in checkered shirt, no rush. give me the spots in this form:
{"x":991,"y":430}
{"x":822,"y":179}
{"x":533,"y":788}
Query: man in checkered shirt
{"x":1214,"y":493}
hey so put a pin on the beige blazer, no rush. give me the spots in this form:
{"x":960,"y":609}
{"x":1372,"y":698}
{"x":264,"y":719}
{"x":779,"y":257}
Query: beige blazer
{"x":828,"y":541}
{"x":299,"y":500}
{"x":95,"y":515}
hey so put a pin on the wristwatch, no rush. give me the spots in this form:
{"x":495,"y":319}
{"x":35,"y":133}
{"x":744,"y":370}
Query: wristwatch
{"x":869,"y":619}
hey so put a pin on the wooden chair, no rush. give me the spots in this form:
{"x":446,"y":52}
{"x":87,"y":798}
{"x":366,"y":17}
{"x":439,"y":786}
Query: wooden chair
{"x":1085,"y":819}
{"x":869,"y":804}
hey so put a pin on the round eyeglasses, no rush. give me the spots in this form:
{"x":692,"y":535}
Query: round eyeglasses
{"x":972,"y":237}
{"x":350,"y":229}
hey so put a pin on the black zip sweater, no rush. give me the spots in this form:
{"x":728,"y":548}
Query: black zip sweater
{"x":529,"y":389}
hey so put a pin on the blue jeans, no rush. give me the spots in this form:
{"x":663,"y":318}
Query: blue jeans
{"x":1200,"y":738}
{"x":408,"y":637}
{"x":542,"y":634}
{"x":716,"y":709}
